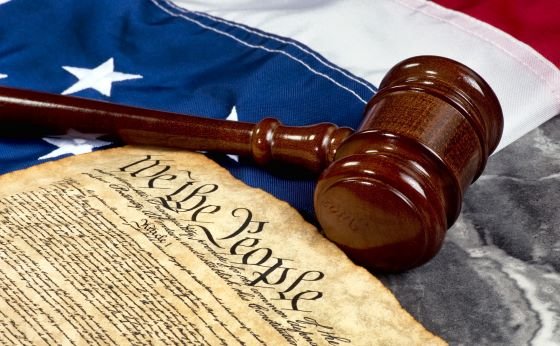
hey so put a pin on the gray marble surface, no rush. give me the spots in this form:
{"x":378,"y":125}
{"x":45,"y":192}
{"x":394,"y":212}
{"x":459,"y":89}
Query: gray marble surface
{"x":497,"y":279}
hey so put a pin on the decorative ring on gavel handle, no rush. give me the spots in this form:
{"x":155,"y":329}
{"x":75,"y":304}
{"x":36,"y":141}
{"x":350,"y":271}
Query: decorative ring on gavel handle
{"x":387,"y":193}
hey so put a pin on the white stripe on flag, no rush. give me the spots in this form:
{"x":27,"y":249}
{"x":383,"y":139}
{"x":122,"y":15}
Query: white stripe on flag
{"x":368,"y":37}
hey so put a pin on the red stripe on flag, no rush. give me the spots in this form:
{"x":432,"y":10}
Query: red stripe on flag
{"x":535,"y":22}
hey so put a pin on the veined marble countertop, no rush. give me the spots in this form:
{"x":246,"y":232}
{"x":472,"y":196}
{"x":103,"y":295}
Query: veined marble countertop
{"x":496,"y":280}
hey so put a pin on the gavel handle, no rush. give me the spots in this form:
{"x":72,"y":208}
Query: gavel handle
{"x":312,"y":147}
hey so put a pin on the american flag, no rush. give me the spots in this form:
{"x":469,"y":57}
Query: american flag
{"x":302,"y":62}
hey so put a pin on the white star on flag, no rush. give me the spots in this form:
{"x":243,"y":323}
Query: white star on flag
{"x":2,"y":2}
{"x":3,"y":75}
{"x":100,"y":78}
{"x":233,"y":117}
{"x":74,"y":142}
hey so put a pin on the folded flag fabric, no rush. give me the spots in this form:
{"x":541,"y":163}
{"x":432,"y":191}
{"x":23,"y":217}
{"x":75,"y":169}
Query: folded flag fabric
{"x":534,"y":22}
{"x":302,"y":62}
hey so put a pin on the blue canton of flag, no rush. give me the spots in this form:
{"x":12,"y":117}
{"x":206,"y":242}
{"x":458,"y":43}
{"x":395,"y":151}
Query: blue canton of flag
{"x":153,"y":54}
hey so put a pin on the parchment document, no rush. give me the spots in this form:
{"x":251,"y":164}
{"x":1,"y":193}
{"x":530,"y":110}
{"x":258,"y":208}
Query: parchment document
{"x":141,"y":245}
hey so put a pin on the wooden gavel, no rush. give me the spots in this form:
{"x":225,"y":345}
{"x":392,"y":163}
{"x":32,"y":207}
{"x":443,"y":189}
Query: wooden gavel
{"x":387,"y":193}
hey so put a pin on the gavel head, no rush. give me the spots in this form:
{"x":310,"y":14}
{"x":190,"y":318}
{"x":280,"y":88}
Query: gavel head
{"x":397,"y":184}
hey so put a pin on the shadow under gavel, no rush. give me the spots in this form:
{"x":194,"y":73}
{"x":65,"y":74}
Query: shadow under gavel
{"x":386,"y":194}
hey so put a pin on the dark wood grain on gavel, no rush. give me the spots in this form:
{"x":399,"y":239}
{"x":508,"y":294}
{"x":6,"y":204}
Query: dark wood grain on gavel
{"x":387,"y":193}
